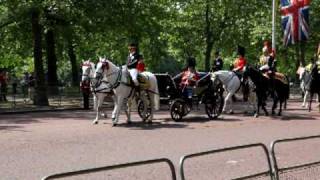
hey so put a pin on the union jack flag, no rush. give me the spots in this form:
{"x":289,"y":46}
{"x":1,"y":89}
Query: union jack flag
{"x":295,"y":20}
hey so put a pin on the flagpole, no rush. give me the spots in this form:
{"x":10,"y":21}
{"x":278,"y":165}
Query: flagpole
{"x":274,"y":25}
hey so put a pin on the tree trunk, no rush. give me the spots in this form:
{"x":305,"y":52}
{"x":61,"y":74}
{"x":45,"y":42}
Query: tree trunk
{"x":209,"y":41}
{"x":73,"y":61}
{"x":52,"y":77}
{"x":40,"y":97}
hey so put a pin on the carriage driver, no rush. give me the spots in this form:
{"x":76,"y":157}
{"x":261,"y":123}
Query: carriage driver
{"x":133,"y":61}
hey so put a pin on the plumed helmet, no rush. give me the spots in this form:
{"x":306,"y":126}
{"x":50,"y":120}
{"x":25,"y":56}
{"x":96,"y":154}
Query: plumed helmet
{"x":241,"y":50}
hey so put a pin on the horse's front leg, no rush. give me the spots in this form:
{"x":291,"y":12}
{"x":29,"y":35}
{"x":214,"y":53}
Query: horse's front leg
{"x":280,"y":108}
{"x":116,"y":110}
{"x":305,"y":98}
{"x":98,"y":103}
{"x":310,"y":101}
{"x":263,"y":99}
{"x":128,"y":110}
{"x":275,"y":102}
{"x":258,"y":105}
{"x":226,"y":101}
{"x":151,"y":104}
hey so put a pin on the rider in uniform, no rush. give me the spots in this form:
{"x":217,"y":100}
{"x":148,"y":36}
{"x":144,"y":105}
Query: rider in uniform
{"x":267,"y":60}
{"x":132,"y":62}
{"x":238,"y":67}
{"x":240,"y":62}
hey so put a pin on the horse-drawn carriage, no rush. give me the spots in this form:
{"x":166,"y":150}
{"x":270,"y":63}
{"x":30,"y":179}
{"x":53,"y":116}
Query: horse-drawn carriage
{"x":205,"y":92}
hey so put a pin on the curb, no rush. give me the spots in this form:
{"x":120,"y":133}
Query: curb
{"x":39,"y":111}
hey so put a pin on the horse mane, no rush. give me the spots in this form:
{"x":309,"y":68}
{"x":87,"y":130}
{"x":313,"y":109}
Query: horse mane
{"x":106,"y":60}
{"x":255,"y":74}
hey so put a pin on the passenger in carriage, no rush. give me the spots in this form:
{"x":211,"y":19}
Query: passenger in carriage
{"x":189,"y":77}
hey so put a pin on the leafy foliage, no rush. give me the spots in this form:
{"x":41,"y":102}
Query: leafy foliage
{"x":168,"y":31}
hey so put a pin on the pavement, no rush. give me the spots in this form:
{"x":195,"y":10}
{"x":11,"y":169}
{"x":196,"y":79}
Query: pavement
{"x":34,"y":145}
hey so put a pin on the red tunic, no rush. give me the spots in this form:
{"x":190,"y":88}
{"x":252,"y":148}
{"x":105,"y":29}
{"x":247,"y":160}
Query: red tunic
{"x":189,"y":78}
{"x":240,"y":63}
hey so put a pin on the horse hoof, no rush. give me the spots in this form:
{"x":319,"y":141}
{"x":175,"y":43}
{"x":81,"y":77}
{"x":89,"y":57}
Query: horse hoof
{"x":114,"y":124}
{"x":256,"y":115}
{"x":129,"y":122}
{"x":231,"y":112}
{"x":95,"y":122}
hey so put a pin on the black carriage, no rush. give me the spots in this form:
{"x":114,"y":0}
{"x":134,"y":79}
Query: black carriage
{"x":207,"y":93}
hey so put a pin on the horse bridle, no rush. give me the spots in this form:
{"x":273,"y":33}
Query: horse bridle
{"x":89,"y":68}
{"x":117,"y":81}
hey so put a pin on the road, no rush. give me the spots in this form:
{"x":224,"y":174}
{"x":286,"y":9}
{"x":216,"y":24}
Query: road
{"x":34,"y":145}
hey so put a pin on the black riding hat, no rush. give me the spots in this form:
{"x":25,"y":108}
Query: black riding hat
{"x":191,"y":62}
{"x":241,"y":50}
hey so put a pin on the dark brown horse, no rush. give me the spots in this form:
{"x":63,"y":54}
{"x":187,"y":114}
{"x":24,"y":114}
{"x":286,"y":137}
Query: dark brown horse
{"x":265,"y":86}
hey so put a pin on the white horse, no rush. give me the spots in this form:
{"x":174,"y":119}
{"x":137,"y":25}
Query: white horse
{"x":305,"y":78}
{"x":119,"y":79}
{"x":231,"y":84}
{"x":100,"y":88}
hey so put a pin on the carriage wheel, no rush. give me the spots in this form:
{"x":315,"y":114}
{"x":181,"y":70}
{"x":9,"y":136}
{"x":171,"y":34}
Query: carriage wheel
{"x":140,"y":111}
{"x":177,"y":110}
{"x":214,"y":106}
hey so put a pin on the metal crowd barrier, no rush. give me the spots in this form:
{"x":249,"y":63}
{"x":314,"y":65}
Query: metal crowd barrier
{"x":119,"y":166}
{"x":254,"y":176}
{"x":308,"y":169}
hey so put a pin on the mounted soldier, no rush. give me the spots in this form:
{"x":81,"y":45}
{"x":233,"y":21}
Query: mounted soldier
{"x":267,"y":60}
{"x":240,"y":62}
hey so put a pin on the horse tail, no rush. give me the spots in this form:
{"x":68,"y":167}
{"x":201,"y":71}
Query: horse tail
{"x":154,"y":94}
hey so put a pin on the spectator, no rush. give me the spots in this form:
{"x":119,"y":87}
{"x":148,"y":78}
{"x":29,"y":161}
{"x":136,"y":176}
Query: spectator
{"x":85,"y":89}
{"x":3,"y":84}
{"x":14,"y":82}
{"x":24,"y":84}
{"x":31,"y":85}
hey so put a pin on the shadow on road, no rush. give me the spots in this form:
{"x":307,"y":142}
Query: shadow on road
{"x":153,"y":125}
{"x":11,"y":128}
{"x":295,"y":117}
